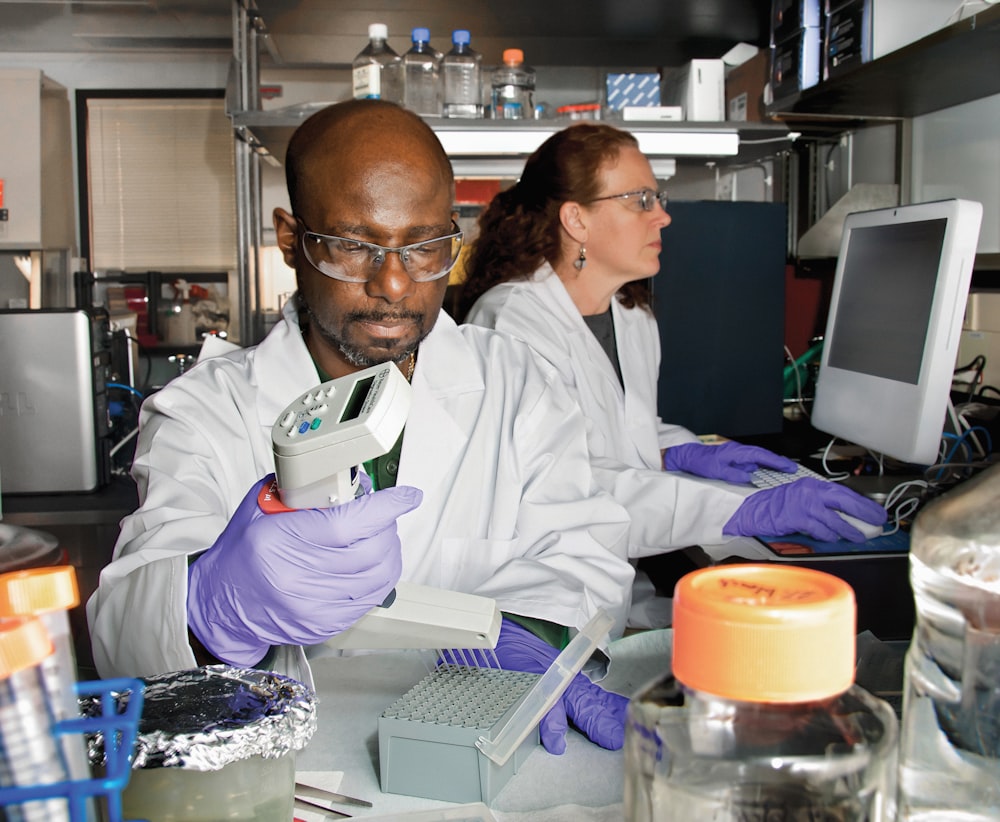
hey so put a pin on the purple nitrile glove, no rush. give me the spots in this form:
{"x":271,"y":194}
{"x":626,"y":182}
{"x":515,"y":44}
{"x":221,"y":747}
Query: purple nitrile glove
{"x":805,"y":506}
{"x":598,"y":713}
{"x":295,"y":577}
{"x":728,"y":461}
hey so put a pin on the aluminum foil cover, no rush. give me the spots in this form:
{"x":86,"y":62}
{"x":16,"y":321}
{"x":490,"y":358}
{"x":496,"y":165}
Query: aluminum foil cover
{"x":205,"y":718}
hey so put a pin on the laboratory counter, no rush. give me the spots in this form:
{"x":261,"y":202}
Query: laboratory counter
{"x":585,"y":783}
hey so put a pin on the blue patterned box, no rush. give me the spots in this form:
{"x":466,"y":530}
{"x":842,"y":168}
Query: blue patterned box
{"x":633,"y":89}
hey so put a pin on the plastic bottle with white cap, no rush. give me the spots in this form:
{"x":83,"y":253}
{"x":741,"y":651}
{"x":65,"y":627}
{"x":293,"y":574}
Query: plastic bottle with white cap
{"x":377,"y":71}
{"x":760,"y":717}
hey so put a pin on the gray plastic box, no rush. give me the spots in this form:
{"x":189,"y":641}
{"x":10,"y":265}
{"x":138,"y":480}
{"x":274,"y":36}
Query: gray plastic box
{"x":427,"y":737}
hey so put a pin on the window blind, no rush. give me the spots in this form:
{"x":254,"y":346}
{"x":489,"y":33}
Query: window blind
{"x":161,"y":180}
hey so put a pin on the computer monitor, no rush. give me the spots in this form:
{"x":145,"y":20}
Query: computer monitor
{"x":894,"y":325}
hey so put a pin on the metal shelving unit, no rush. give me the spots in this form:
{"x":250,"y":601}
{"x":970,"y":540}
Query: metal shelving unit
{"x":477,"y":147}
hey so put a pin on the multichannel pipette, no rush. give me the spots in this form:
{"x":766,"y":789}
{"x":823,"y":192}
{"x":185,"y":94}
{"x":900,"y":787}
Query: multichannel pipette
{"x":320,"y":442}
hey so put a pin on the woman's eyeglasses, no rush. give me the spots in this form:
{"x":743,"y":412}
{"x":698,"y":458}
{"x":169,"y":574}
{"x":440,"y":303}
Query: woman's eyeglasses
{"x":645,"y":197}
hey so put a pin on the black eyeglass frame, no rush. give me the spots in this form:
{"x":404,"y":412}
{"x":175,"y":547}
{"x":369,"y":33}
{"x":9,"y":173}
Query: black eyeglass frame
{"x":647,"y":197}
{"x":380,"y":252}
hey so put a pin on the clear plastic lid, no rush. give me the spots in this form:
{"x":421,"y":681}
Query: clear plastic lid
{"x":547,"y":690}
{"x":27,"y":548}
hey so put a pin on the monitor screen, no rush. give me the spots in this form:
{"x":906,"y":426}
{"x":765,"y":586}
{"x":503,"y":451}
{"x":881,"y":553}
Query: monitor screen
{"x":892,"y":334}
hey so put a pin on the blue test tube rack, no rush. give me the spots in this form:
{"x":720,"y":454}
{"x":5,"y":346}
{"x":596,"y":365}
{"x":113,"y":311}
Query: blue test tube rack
{"x":118,"y":726}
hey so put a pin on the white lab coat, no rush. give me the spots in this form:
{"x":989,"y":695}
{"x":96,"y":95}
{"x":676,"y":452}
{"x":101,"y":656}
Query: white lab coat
{"x":510,"y":509}
{"x":668,"y":509}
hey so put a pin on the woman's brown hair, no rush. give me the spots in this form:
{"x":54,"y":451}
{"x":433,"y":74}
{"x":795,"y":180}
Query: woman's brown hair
{"x":520,"y":228}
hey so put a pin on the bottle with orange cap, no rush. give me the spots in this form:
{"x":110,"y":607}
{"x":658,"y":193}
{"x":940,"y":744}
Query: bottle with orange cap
{"x":760,"y":717}
{"x":29,"y":755}
{"x":513,"y":83}
{"x":48,"y":594}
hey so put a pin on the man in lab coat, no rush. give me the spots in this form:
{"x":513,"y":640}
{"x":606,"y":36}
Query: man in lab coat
{"x":494,"y":493}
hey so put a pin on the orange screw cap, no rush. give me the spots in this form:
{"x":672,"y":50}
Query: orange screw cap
{"x":764,"y":633}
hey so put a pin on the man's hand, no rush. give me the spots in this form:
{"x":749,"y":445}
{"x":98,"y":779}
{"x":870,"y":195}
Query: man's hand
{"x":597,"y":713}
{"x":296,"y":577}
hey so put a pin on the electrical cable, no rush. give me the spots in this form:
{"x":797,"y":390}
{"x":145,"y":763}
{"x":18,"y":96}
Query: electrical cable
{"x":125,"y":387}
{"x":798,"y":383}
{"x":118,"y":445}
{"x":830,"y":474}
{"x":901,"y":509}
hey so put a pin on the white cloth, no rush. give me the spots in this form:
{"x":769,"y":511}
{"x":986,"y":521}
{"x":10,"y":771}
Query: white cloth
{"x":510,"y":508}
{"x":624,"y":432}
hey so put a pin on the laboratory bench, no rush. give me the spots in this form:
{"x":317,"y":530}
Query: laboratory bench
{"x":86,"y":527}
{"x":585,"y":783}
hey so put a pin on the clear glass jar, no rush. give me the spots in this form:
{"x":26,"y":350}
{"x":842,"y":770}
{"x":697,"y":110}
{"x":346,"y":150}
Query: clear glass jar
{"x":949,"y":751}
{"x":760,"y":718}
{"x":218,"y":742}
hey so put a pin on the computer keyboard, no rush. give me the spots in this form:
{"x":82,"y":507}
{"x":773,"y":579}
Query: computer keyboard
{"x":768,"y":478}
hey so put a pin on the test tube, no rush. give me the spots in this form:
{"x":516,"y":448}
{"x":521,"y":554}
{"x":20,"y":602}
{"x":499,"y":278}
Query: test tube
{"x":29,"y":755}
{"x":48,"y":593}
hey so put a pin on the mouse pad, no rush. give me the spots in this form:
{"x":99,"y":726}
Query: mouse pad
{"x":799,"y":546}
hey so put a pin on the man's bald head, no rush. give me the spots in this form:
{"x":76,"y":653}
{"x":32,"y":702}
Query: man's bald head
{"x":355,"y":137}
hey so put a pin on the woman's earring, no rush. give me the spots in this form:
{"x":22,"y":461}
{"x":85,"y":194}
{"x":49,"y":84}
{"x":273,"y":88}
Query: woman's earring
{"x":581,"y":261}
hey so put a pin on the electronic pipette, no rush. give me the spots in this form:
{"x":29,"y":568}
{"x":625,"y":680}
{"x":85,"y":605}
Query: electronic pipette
{"x":319,"y":443}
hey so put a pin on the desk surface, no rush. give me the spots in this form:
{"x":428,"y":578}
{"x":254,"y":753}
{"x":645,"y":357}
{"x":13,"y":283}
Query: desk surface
{"x":585,"y":783}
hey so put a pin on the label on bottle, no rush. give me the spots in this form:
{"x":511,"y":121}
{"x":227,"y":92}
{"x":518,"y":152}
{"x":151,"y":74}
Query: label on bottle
{"x":367,"y":81}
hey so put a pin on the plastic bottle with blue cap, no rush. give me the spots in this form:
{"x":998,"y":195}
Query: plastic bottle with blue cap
{"x":462,"y":76}
{"x":422,"y":75}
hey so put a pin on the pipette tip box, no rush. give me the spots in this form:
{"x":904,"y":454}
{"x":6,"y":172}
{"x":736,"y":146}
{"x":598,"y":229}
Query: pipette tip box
{"x":427,"y":738}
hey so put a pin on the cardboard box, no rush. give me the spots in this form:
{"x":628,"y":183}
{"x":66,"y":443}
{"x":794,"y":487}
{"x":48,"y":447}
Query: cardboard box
{"x":699,"y":88}
{"x":632,"y":89}
{"x":847,"y":39}
{"x":795,"y":64}
{"x":788,"y":16}
{"x":655,"y":114}
{"x":745,"y":86}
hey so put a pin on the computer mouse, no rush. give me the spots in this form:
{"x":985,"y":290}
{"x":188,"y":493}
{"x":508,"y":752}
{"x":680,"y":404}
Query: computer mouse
{"x":870,"y":531}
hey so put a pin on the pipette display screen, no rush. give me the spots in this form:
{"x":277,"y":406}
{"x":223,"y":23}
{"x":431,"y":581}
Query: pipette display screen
{"x":357,"y":401}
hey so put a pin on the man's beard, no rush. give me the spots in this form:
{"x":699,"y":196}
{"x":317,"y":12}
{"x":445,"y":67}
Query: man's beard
{"x":364,"y":358}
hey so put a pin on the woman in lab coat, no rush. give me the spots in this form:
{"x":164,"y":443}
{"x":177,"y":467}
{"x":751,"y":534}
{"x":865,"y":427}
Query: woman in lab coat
{"x":561,"y":261}
{"x":510,"y":509}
